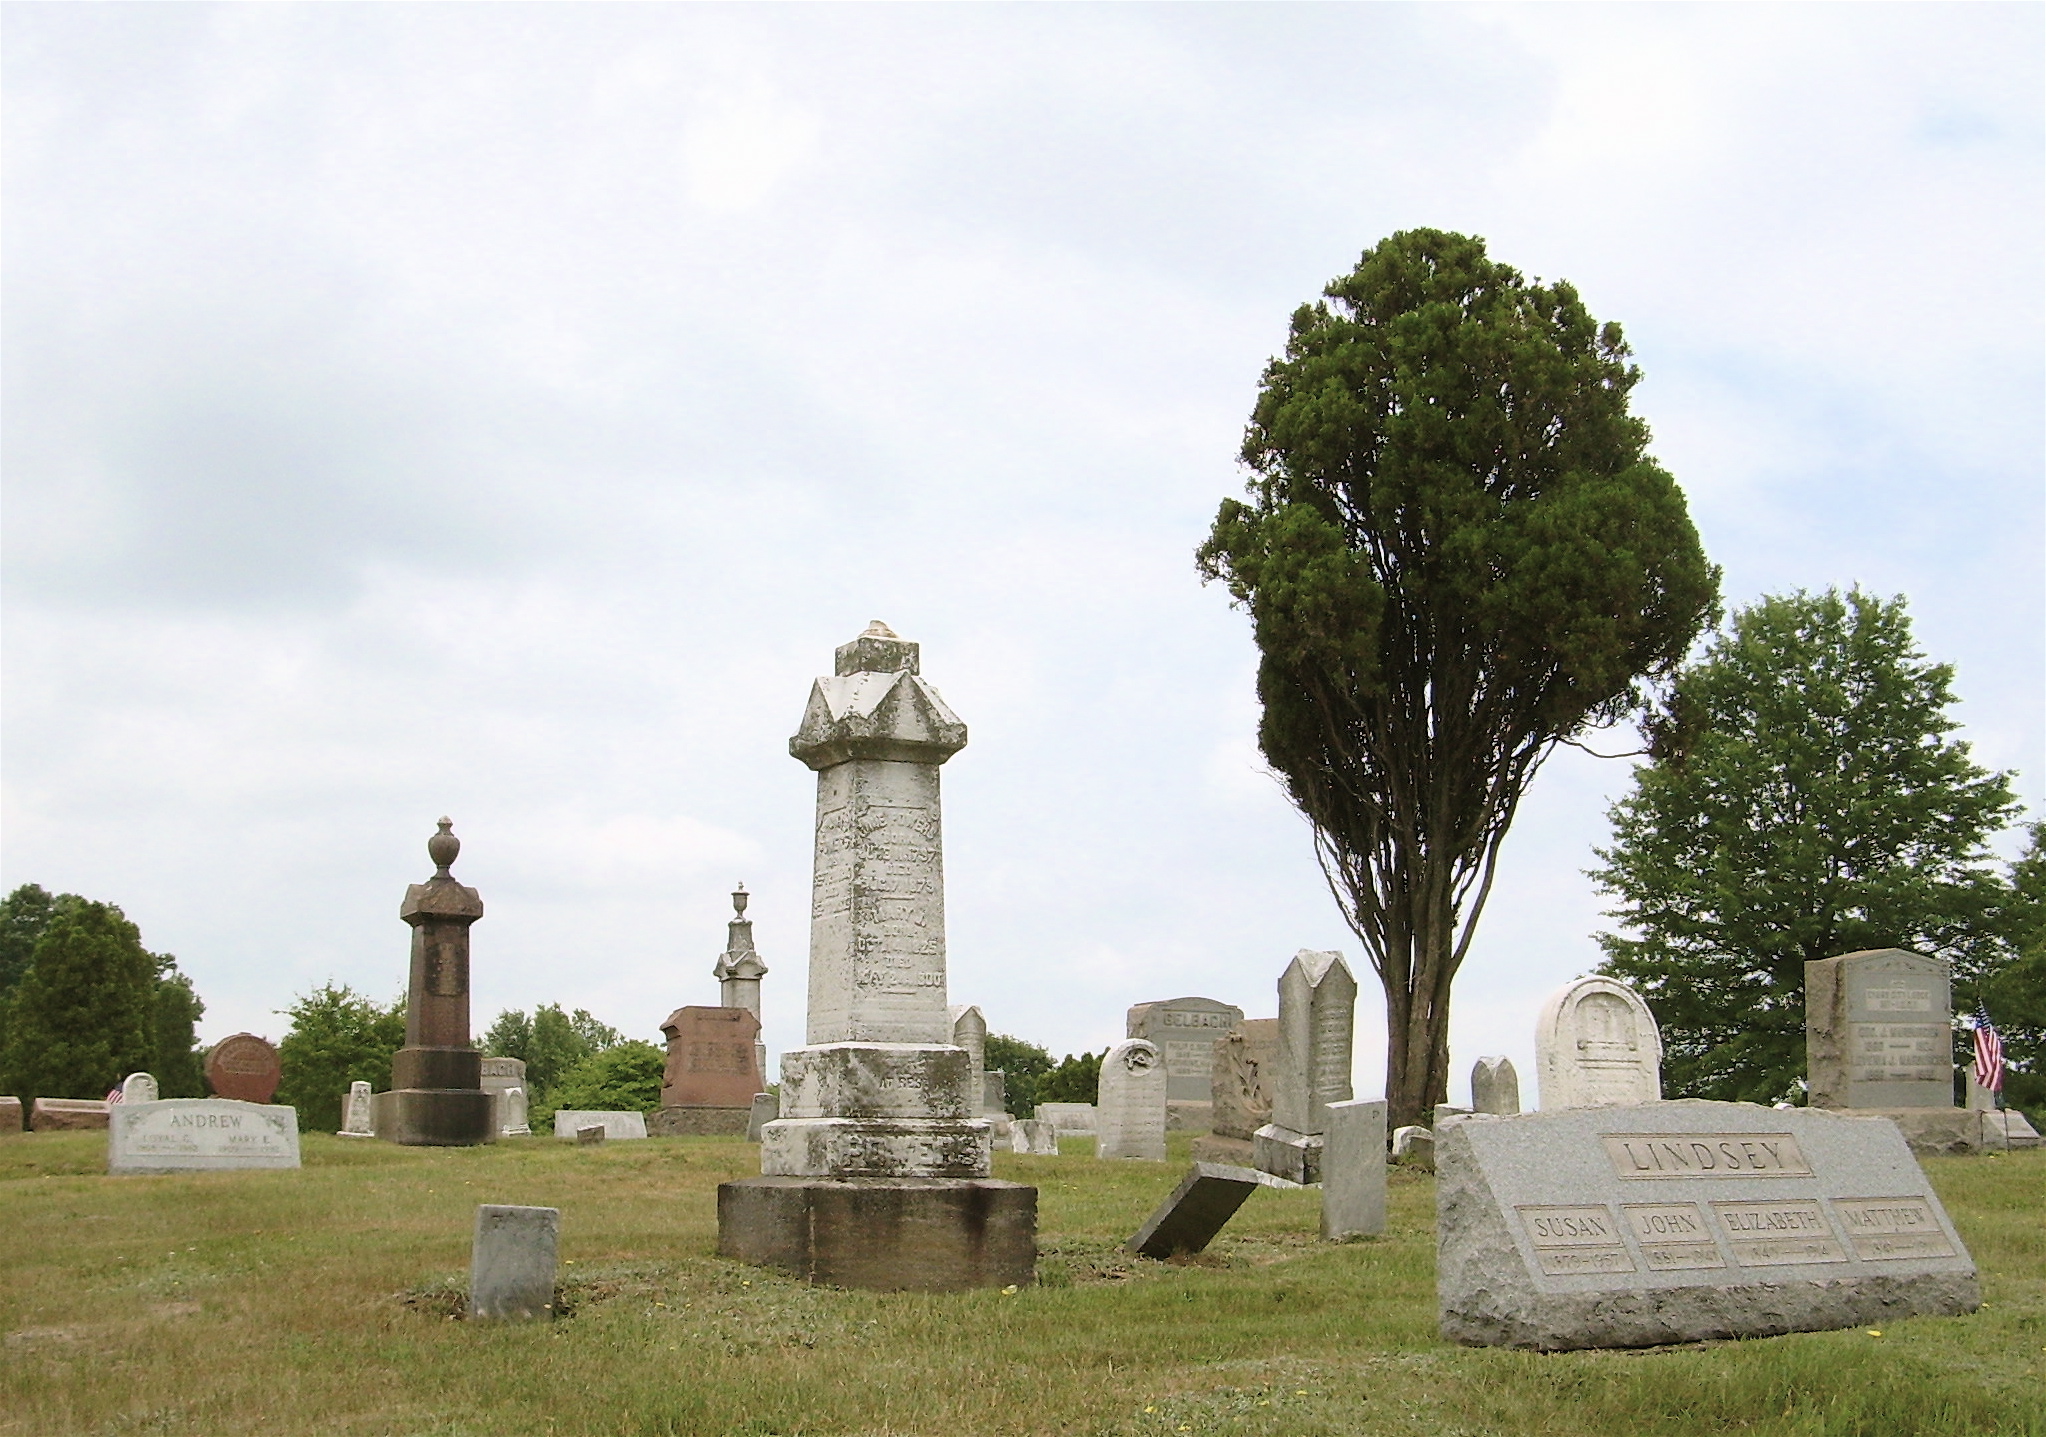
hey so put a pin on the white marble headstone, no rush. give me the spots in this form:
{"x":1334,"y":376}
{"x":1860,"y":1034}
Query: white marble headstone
{"x":138,"y":1088}
{"x":356,"y":1111}
{"x":1132,"y":1108}
{"x":1596,"y":1045}
{"x":511,"y":1108}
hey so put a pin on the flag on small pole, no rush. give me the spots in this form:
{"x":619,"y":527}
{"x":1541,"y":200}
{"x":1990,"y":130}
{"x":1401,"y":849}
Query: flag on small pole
{"x":1988,"y":1052}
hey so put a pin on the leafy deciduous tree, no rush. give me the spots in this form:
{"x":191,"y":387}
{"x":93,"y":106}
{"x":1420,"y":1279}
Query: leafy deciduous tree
{"x":551,"y":1044}
{"x":1023,"y":1066}
{"x":2015,"y":990}
{"x":1074,"y":1080}
{"x":623,"y":1077}
{"x":337,"y":1037}
{"x":1456,"y":554}
{"x":84,"y":1014}
{"x":1805,"y":801}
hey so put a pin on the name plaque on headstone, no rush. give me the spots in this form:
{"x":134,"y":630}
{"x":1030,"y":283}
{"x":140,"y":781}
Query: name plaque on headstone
{"x":1682,"y":1221}
{"x":200,"y":1135}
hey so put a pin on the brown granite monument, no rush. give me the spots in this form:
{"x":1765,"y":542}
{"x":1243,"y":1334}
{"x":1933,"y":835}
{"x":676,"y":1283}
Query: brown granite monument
{"x":437,"y":1097}
{"x":712,"y":1073}
{"x":244,"y":1068}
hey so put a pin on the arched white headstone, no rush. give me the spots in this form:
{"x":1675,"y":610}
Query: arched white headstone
{"x":1597,"y":1046}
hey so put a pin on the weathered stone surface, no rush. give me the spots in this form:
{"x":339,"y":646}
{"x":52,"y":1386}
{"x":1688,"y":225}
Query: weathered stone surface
{"x":590,"y":1134}
{"x":1283,"y":1153}
{"x":138,"y":1088}
{"x":766,"y":1108}
{"x":1596,"y":1044}
{"x":1414,"y":1147}
{"x":877,"y":1147}
{"x":1241,"y":1075}
{"x":1037,"y":1136}
{"x":712,"y":1058}
{"x":437,"y":1097}
{"x":10,"y":1117}
{"x":969,"y":1031}
{"x":698,"y":1122}
{"x":512,"y":1263}
{"x":1187,"y":1221}
{"x":1188,"y":1117}
{"x":1447,"y":1110}
{"x":567,"y":1121}
{"x":1879,"y":1031}
{"x":200,"y":1135}
{"x":1683,"y":1221}
{"x":878,"y":1080}
{"x":52,"y":1115}
{"x":245,"y":1068}
{"x":2016,"y":1127}
{"x":1229,"y":1152}
{"x":511,"y":1113}
{"x":1070,"y":1117}
{"x":1495,"y":1087}
{"x":901,"y":1235}
{"x":1132,"y":1107}
{"x":1317,"y":1004}
{"x":497,"y":1077}
{"x":1353,"y":1170}
{"x":358,"y":1118}
{"x":1184,"y":1030}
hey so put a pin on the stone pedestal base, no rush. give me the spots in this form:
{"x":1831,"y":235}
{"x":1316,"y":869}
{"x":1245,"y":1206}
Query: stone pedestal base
{"x":952,"y":1148}
{"x":434,"y":1117}
{"x":695,"y":1120}
{"x":1283,"y":1153}
{"x":1936,"y":1132}
{"x":884,"y":1234}
{"x":1183,"y":1115}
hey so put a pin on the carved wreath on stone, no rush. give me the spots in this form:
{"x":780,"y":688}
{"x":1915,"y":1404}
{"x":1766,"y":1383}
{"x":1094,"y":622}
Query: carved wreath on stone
{"x":1139,"y":1059}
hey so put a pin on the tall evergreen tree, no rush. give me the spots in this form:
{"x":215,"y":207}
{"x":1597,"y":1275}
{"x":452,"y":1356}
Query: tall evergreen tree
{"x":1805,"y":800}
{"x":84,"y":1015}
{"x":1457,"y":553}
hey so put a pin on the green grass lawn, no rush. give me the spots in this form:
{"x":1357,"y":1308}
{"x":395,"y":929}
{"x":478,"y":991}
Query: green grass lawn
{"x":317,"y":1302}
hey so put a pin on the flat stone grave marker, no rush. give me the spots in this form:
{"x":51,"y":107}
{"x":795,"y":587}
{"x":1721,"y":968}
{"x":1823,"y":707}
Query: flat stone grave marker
{"x":1070,"y":1117}
{"x":1685,"y":1221}
{"x":1187,"y":1221}
{"x":1036,"y":1136}
{"x":52,"y":1115}
{"x":512,"y":1262}
{"x":568,"y":1122}
{"x":244,"y":1067}
{"x":1353,"y":1170}
{"x":176,"y":1135}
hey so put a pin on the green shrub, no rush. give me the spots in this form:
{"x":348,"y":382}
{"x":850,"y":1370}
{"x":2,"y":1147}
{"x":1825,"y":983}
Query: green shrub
{"x":1074,"y":1080}
{"x":623,"y":1078}
{"x":337,"y":1037}
{"x":1023,"y":1065}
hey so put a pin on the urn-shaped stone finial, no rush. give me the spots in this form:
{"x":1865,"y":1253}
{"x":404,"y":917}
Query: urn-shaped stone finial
{"x":739,"y":897}
{"x":443,"y":847}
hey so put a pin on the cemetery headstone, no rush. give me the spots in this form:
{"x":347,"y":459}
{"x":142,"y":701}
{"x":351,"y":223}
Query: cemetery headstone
{"x":1240,"y":1078}
{"x":357,"y":1120}
{"x":51,"y":1115}
{"x":511,"y":1114}
{"x":766,"y":1108}
{"x":878,"y":1173}
{"x":969,"y":1031}
{"x":1185,"y":1030}
{"x":501,"y":1075}
{"x":437,"y":1097}
{"x":1195,"y":1211}
{"x":1495,"y":1087}
{"x":1414,"y":1147}
{"x":1037,"y":1136}
{"x":621,"y":1126}
{"x":138,"y":1088}
{"x":1879,"y":1039}
{"x":176,"y":1135}
{"x":1353,"y":1170}
{"x":1132,"y":1116}
{"x":711,"y":1074}
{"x":1317,"y":1005}
{"x":244,"y":1068}
{"x":512,"y":1262}
{"x":1596,"y":1045}
{"x":1070,"y":1117}
{"x":1685,"y":1221}
{"x":590,"y":1134}
{"x":10,"y":1117}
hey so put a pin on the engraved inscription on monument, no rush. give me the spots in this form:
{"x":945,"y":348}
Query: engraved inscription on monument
{"x":1673,"y":1235}
{"x":1692,"y":1155}
{"x":1778,"y":1233}
{"x":1891,"y":1228}
{"x":1570,"y":1240}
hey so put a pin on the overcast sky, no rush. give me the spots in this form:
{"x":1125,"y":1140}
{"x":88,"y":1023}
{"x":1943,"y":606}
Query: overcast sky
{"x":504,"y":411}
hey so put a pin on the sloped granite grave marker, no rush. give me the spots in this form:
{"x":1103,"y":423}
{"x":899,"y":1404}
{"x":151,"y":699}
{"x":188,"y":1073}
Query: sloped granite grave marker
{"x":1683,"y":1221}
{"x":176,"y":1135}
{"x":1195,"y":1211}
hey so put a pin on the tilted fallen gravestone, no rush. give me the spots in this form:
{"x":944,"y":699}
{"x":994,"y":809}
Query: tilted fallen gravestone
{"x":1206,"y":1198}
{"x":590,"y":1136}
{"x":176,"y":1135}
{"x":1681,"y":1221}
{"x":512,"y":1262}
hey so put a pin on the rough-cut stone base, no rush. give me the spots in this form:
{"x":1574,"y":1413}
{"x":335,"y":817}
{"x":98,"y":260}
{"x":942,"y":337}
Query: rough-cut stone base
{"x":1216,"y":1148}
{"x":1186,"y":1116}
{"x":877,"y":1148}
{"x":51,"y":1115}
{"x":885,"y":1235}
{"x":1934,"y":1132}
{"x":10,"y":1117}
{"x":688,"y":1120}
{"x":434,"y":1117}
{"x":1283,"y":1153}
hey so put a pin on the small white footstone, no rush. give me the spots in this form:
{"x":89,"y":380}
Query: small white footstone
{"x":1685,"y":1221}
{"x":617,"y":1126}
{"x":180,"y":1135}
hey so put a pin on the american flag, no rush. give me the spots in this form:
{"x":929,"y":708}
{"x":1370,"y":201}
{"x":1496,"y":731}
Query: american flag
{"x":1988,"y":1053}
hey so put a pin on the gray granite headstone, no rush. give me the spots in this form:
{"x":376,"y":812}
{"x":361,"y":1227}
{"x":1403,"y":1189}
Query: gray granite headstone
{"x":1317,"y":1004}
{"x":766,"y":1108}
{"x":1187,"y":1221}
{"x":176,"y":1135}
{"x":512,"y":1262}
{"x":1684,"y":1221}
{"x":1495,"y":1087}
{"x":1879,"y":1031}
{"x":1184,"y":1030}
{"x":1070,"y":1117}
{"x":1353,"y":1170}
